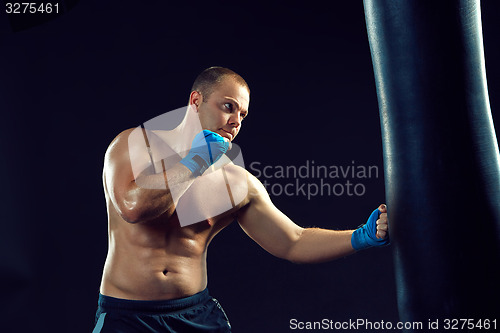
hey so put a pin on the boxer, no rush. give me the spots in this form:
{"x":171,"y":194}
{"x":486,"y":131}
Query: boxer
{"x":155,"y":274}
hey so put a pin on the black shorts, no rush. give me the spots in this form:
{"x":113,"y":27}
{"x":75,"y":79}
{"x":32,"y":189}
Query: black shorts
{"x":197,"y":313}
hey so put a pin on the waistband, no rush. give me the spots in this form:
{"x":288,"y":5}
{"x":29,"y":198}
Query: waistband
{"x":112,"y":303}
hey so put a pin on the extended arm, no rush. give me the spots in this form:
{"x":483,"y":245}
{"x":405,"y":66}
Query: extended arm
{"x":280,"y":236}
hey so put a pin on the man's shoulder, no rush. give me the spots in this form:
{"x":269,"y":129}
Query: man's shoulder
{"x":128,"y":145}
{"x":134,"y":140}
{"x":254,"y":186}
{"x":239,"y":172}
{"x":120,"y":139}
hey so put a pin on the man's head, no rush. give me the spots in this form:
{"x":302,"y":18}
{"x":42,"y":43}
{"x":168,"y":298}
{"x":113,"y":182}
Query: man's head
{"x":221,"y":98}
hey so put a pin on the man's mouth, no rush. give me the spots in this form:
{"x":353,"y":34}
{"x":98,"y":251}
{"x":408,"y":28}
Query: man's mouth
{"x":227,"y":134}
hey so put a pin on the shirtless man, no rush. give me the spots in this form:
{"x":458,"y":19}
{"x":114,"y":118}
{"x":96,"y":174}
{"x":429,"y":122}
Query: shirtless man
{"x":155,"y":275}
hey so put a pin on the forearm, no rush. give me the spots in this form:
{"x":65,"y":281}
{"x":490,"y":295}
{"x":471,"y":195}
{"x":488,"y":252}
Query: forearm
{"x":319,"y":245}
{"x":157,"y":193}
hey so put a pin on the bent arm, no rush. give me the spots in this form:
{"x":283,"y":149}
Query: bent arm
{"x":280,"y":236}
{"x":147,"y":196}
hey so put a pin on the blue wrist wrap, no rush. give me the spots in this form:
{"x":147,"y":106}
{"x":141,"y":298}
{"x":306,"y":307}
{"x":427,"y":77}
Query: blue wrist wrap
{"x":206,"y":149}
{"x":365,"y":236}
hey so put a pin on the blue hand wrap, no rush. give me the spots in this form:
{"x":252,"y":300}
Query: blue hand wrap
{"x":206,"y":149}
{"x":365,"y":236}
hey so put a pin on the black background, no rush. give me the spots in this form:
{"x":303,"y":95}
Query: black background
{"x":71,"y":84}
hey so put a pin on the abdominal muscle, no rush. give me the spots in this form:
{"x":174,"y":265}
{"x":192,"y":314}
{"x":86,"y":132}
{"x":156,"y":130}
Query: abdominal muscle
{"x":157,"y":260}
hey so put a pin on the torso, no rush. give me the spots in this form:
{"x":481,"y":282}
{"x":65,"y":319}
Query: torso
{"x":159,"y":259}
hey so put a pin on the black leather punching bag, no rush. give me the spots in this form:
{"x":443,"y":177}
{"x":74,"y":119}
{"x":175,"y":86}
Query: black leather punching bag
{"x":441,"y":158}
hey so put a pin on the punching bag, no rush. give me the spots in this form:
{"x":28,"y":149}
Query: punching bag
{"x":441,"y":158}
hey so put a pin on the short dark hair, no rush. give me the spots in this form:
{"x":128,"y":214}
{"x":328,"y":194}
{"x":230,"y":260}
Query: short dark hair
{"x":211,"y":77}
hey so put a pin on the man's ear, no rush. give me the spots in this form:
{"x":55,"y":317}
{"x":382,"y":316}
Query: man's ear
{"x":195,"y":99}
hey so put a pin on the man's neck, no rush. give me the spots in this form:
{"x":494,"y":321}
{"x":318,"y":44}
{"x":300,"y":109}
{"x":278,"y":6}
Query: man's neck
{"x":180,"y":138}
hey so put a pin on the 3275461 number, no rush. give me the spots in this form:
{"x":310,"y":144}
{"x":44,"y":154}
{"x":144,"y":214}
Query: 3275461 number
{"x":469,"y":324}
{"x":31,"y":8}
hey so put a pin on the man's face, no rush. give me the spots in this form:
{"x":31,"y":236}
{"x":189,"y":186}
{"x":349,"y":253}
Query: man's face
{"x":224,"y":109}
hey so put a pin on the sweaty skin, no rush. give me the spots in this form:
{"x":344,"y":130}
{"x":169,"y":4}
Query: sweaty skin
{"x":150,"y":256}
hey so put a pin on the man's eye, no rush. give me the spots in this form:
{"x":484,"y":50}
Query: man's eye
{"x":229,"y":106}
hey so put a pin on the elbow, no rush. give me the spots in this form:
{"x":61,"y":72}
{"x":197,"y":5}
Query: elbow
{"x":137,"y":212}
{"x":131,"y":218}
{"x":295,"y":254}
{"x":297,"y":262}
{"x":130,"y":212}
{"x":296,"y":259}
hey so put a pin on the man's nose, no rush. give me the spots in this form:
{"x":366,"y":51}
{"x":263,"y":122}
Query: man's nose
{"x":235,"y":120}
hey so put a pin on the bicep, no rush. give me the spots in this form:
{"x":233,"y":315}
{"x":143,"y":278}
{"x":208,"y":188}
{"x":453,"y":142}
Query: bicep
{"x":266,"y":224}
{"x":120,"y":174}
